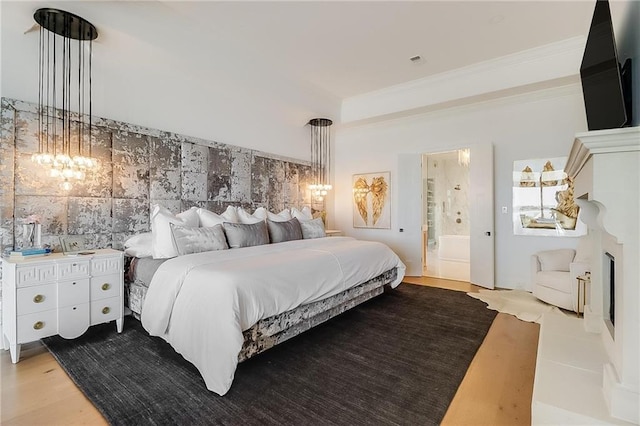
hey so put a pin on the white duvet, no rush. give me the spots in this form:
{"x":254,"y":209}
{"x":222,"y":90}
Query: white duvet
{"x":201,"y":303}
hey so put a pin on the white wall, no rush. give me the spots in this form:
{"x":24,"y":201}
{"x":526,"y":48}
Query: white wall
{"x":232,"y":102}
{"x":535,"y":125}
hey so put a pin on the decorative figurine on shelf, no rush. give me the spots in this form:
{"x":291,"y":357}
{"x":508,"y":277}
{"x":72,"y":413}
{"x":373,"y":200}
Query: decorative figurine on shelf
{"x":32,"y":231}
{"x":567,"y":210}
{"x":527,"y":178}
{"x":548,"y":167}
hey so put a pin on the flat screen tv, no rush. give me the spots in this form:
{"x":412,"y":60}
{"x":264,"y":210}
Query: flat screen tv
{"x":604,"y":81}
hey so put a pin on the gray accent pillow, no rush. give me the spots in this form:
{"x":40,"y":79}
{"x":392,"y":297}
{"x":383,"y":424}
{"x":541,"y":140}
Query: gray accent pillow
{"x":246,"y":234}
{"x":313,"y":228}
{"x":280,"y":232}
{"x":191,"y":239}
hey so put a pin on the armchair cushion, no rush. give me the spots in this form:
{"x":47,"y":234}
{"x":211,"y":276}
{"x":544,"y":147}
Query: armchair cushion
{"x":556,"y":260}
{"x":557,"y":280}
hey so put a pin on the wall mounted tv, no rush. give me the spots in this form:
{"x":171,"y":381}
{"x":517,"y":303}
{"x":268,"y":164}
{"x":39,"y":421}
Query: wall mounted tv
{"x":606,"y":86}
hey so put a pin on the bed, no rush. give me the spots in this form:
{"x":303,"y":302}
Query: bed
{"x":220,"y":308}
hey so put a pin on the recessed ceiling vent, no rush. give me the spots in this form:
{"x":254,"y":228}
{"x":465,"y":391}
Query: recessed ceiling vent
{"x":416,"y":59}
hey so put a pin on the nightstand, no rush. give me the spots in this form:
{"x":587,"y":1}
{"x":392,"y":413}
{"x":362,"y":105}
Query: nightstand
{"x":58,"y":294}
{"x":332,"y":232}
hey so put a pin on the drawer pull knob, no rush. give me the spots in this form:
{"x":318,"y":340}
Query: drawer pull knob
{"x":38,"y":298}
{"x":38,"y":325}
{"x":106,"y":310}
{"x":106,"y":286}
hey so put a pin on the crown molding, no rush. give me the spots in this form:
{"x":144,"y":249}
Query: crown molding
{"x":626,"y":139}
{"x":548,"y":62}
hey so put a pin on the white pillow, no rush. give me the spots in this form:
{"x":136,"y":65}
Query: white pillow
{"x":209,"y":218}
{"x":231,"y":214}
{"x":312,"y":228}
{"x":140,"y":245}
{"x":191,"y":239}
{"x":247,"y":218}
{"x":556,"y":260}
{"x":302,"y":215}
{"x":264,"y":214}
{"x":163,"y":245}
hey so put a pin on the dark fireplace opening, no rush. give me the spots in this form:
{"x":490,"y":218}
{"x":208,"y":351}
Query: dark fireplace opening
{"x":612,"y":287}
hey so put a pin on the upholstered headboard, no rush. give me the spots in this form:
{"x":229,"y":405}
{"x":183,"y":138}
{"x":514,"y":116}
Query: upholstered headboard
{"x":139,"y":166}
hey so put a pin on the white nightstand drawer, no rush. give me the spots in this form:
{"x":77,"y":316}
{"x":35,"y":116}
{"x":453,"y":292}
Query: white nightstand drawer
{"x":59,"y":294}
{"x":105,"y":266}
{"x":35,"y":274}
{"x":37,"y":326}
{"x":73,"y":320}
{"x":105,"y":286}
{"x":73,"y":292}
{"x":73,"y":269}
{"x":36,"y":299}
{"x":105,"y":310}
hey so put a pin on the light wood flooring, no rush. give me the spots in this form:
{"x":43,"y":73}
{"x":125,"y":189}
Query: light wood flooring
{"x":496,"y":390}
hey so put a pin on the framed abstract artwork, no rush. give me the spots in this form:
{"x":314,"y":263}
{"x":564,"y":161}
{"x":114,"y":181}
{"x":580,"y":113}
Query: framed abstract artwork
{"x":372,"y":200}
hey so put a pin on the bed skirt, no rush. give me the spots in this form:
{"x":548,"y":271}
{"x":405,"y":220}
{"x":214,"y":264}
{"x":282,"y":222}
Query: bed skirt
{"x":271,"y":331}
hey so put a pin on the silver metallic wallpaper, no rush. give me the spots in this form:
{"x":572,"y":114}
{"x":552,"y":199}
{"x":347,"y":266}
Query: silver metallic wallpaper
{"x":139,"y":166}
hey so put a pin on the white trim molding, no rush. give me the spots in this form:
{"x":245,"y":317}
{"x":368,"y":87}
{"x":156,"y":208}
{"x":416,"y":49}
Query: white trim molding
{"x":549,"y":62}
{"x":626,"y":139}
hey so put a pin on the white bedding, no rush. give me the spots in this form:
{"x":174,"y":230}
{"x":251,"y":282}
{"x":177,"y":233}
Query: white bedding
{"x":201,"y":303}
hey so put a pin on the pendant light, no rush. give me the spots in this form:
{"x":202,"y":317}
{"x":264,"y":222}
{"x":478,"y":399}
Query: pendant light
{"x":320,"y":157}
{"x":64,"y":82}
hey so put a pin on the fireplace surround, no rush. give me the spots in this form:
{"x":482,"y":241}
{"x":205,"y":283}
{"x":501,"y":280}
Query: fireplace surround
{"x":602,"y":368}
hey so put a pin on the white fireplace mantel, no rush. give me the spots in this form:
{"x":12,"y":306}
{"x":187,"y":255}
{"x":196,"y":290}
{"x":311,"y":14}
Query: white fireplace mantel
{"x":605,"y":166}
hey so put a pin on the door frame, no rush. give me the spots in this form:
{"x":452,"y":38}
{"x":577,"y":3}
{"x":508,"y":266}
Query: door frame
{"x":481,"y":206}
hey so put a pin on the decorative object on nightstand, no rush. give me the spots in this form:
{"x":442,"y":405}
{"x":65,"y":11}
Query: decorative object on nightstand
{"x":31,"y":232}
{"x":25,"y":253}
{"x":44,"y":296}
{"x":583,"y":280}
{"x":72,"y":245}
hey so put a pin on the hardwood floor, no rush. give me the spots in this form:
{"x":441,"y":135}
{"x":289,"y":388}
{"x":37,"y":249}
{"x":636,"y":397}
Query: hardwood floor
{"x":496,"y":390}
{"x":498,"y":386}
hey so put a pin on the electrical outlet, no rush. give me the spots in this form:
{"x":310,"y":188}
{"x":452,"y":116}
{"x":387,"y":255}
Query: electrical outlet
{"x":505,"y":210}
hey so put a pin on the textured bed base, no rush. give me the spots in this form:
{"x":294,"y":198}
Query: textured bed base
{"x":270,"y":331}
{"x":276,"y":329}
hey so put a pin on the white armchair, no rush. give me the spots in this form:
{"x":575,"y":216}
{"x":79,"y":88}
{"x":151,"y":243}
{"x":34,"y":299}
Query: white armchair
{"x":554,"y":273}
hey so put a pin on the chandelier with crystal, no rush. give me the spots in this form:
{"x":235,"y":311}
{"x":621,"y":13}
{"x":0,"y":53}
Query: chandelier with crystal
{"x":320,"y":157}
{"x":64,"y":84}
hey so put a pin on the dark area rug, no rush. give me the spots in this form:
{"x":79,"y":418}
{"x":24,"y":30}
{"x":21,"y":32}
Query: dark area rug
{"x":397,"y":359}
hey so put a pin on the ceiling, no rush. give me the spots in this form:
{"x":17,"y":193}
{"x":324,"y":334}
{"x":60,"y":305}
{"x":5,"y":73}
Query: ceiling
{"x":341,"y":48}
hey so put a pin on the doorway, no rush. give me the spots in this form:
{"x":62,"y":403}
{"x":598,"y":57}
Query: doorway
{"x":481,"y":213}
{"x":446,"y":226}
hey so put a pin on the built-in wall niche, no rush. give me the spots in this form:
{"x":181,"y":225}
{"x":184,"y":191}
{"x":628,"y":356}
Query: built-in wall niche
{"x":543,"y":199}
